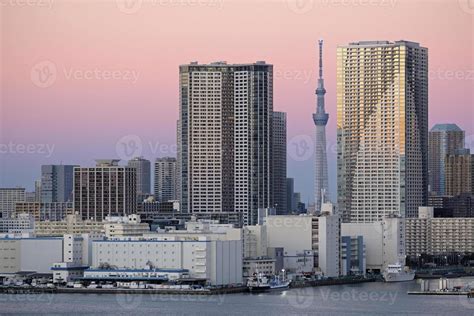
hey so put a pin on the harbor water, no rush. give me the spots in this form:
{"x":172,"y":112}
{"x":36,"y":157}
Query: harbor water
{"x":373,"y":298}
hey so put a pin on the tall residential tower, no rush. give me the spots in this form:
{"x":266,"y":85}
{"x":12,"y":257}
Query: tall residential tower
{"x":225,"y":139}
{"x":320,"y":120}
{"x":382,"y":129}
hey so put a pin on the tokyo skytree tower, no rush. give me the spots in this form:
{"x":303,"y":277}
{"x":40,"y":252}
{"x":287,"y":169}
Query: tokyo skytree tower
{"x":320,"y":120}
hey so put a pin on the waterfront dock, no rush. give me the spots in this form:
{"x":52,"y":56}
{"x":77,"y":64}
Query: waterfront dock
{"x":437,"y":293}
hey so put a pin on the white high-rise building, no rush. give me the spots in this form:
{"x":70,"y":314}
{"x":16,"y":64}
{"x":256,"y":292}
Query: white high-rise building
{"x":225,"y":139}
{"x":382,"y":129}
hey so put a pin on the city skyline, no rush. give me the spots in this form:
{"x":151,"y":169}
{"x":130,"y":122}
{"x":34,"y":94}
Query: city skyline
{"x":32,"y":115}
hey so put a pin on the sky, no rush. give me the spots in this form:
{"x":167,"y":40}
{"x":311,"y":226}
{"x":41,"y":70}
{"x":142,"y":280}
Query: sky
{"x":82,"y":80}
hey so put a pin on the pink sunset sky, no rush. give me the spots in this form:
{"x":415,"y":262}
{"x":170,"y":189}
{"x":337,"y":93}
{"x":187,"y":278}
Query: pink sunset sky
{"x":111,"y":69}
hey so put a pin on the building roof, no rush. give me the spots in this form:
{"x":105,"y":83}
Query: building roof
{"x":445,"y":128}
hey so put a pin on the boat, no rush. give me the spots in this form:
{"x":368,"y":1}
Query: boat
{"x":397,"y":273}
{"x":258,"y":283}
{"x":280,"y":282}
{"x":277,"y":284}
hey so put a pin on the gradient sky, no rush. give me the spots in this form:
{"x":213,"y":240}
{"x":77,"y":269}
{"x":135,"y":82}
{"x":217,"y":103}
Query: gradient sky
{"x":92,"y":102}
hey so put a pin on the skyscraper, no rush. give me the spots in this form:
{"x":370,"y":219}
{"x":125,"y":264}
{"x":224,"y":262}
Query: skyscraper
{"x":165,"y":179}
{"x":279,"y":162}
{"x":444,"y":139}
{"x":320,"y":120}
{"x":143,"y":168}
{"x":56,"y":183}
{"x":105,"y":190}
{"x":225,"y":129}
{"x":382,"y":129}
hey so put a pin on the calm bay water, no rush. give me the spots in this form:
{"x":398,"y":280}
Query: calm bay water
{"x":360,"y":299}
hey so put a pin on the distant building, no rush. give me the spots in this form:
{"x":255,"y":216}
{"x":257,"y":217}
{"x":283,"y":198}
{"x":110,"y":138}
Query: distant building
{"x":143,"y":168}
{"x":8,"y":198}
{"x":73,"y":224}
{"x":444,"y":140}
{"x":279,"y":162}
{"x":57,"y":183}
{"x":105,"y":190}
{"x":30,"y":196}
{"x":55,"y":211}
{"x":165,"y":179}
{"x":130,"y":225}
{"x":459,"y":168}
{"x":21,"y":223}
{"x":382,"y":129}
{"x":290,"y":194}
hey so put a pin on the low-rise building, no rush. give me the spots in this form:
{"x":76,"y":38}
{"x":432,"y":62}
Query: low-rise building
{"x":384,"y":241}
{"x":29,"y":254}
{"x":304,"y":234}
{"x":130,"y":225}
{"x":353,"y":260}
{"x":253,"y":266}
{"x":219,"y":262}
{"x":51,"y":211}
{"x":438,"y":236}
{"x":72,"y":225}
{"x":17,"y":224}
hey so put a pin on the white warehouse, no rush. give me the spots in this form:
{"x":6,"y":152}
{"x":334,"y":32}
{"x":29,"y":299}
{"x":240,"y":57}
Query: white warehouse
{"x":217,"y":261}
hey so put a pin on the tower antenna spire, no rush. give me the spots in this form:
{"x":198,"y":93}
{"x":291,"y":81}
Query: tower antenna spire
{"x":320,"y":58}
